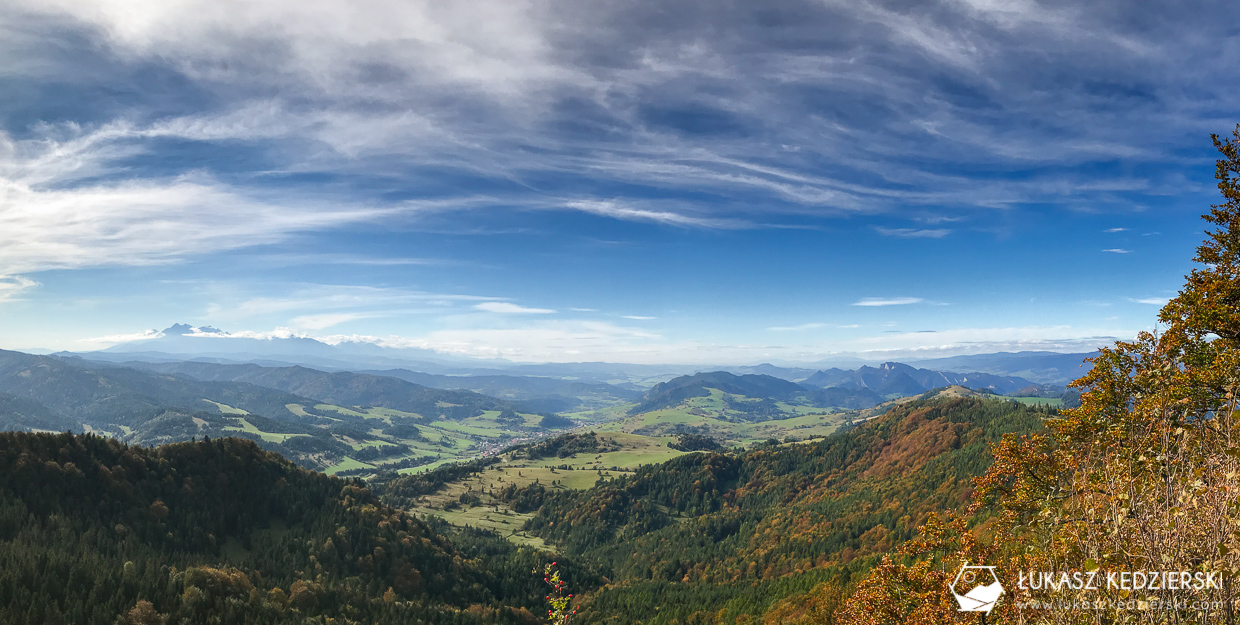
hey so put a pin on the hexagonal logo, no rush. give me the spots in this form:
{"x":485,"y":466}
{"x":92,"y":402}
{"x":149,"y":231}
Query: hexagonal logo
{"x":976,"y":588}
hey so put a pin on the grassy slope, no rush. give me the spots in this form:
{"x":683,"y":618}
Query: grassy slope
{"x":634,"y":451}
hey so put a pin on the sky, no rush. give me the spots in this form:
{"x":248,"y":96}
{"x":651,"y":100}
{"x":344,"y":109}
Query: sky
{"x":654,"y":181}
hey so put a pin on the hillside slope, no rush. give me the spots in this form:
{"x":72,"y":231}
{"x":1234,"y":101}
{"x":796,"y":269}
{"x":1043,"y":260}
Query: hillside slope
{"x":20,"y":413}
{"x":706,"y":532}
{"x":156,"y":407}
{"x":342,"y":388}
{"x":897,"y":379}
{"x":764,"y":388}
{"x":106,"y":396}
{"x":222,"y":531}
{"x":540,"y":394}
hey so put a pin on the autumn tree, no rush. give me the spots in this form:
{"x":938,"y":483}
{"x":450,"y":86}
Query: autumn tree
{"x":1144,"y":475}
{"x":143,"y":613}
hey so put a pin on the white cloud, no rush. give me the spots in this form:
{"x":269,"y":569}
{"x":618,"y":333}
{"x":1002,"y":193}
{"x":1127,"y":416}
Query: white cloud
{"x":1116,"y":230}
{"x":803,"y":326}
{"x":584,"y":309}
{"x":551,"y":341}
{"x":277,"y":333}
{"x":637,"y":317}
{"x":1154,"y":301}
{"x":889,"y":301}
{"x":11,"y":286}
{"x":336,"y":297}
{"x":492,"y":45}
{"x":1117,"y":250}
{"x":1060,"y":338}
{"x":616,"y":210}
{"x":509,"y":308}
{"x":124,"y":338}
{"x":914,"y":233}
{"x":50,"y":221}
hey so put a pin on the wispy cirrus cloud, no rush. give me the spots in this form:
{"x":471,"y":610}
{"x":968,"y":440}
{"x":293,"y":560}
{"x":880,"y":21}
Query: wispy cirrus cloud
{"x":334,"y":298}
{"x":618,"y":210}
{"x":12,"y":286}
{"x":914,"y":233}
{"x":65,"y":209}
{"x":1153,"y":301}
{"x":1117,"y":250}
{"x":508,"y":308}
{"x":603,"y":98}
{"x":888,"y":301}
{"x":796,"y":328}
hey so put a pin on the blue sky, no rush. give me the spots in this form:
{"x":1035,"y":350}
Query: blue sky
{"x":626,"y":181}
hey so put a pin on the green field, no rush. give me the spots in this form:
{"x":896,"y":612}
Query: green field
{"x":710,"y":415}
{"x":225,"y":408}
{"x":641,"y":440}
{"x":271,"y":437}
{"x":347,"y":464}
{"x":586,"y":470}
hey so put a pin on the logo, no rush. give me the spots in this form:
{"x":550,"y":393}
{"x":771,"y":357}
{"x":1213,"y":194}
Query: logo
{"x":981,"y":588}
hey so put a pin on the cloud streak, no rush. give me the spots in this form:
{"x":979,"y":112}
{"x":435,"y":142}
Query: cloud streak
{"x":508,"y":308}
{"x":797,"y":328}
{"x":914,"y":233}
{"x":888,"y":301}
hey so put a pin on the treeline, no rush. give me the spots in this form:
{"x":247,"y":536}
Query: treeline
{"x":219,"y":531}
{"x":403,"y":491}
{"x":694,"y":442}
{"x":566,"y":446}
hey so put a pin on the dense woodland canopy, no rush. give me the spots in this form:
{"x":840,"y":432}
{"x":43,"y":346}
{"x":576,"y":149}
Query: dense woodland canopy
{"x":725,"y":537}
{"x":221,"y":531}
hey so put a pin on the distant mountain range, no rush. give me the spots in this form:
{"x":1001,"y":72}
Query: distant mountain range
{"x":182,"y":342}
{"x":1041,"y":367}
{"x":309,"y":416}
{"x":106,"y":397}
{"x":342,"y":388}
{"x":857,"y":389}
{"x":893,"y":378}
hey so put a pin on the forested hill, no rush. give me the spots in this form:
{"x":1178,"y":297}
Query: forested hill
{"x":106,"y":396}
{"x":897,"y":379}
{"x":707,"y":532}
{"x":221,"y":531}
{"x":20,"y":413}
{"x":673,"y":392}
{"x":342,"y":388}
